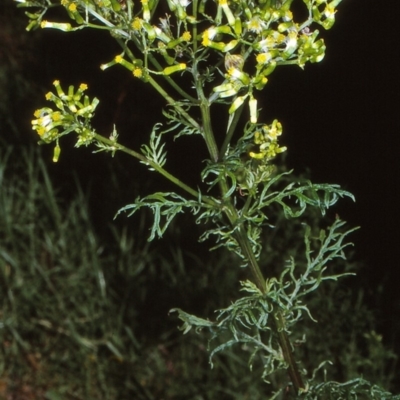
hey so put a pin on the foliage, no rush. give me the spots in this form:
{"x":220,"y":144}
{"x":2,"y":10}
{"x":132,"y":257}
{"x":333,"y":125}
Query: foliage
{"x":227,"y":51}
{"x":114,"y":342}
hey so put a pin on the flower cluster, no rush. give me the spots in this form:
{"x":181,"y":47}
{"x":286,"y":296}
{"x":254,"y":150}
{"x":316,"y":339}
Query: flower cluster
{"x":252,"y":38}
{"x":267,"y":141}
{"x":264,"y":32}
{"x":74,"y":113}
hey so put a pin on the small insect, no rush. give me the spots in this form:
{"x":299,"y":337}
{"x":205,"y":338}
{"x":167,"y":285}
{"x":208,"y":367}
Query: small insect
{"x":233,"y":61}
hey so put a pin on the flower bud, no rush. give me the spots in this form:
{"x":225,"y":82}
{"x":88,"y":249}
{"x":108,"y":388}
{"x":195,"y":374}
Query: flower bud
{"x":174,"y":68}
{"x":60,"y":26}
{"x":253,"y":110}
{"x":227,"y":11}
{"x":56,"y":153}
{"x":237,"y":103}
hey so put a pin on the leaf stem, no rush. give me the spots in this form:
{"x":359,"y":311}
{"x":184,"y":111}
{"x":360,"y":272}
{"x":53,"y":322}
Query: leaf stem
{"x":286,"y":347}
{"x":156,"y":167}
{"x":232,"y":123}
{"x":245,"y":245}
{"x":174,"y":103}
{"x":206,"y":130}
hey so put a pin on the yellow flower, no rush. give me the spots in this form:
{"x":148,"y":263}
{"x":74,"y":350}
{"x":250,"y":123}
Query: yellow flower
{"x":137,"y":24}
{"x":208,"y":35}
{"x":186,"y":36}
{"x":263,"y":58}
{"x":256,"y":24}
{"x":118,"y":59}
{"x":41,"y":130}
{"x":329,"y":11}
{"x":83,"y":86}
{"x":56,"y":116}
{"x":137,"y":72}
{"x":72,"y":7}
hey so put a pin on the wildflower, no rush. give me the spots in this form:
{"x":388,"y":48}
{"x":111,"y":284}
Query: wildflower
{"x":274,"y":39}
{"x":267,"y":142}
{"x":138,"y":72}
{"x":208,"y":36}
{"x":288,"y":16}
{"x":137,"y":24}
{"x":238,"y":75}
{"x":256,"y":24}
{"x":186,"y":36}
{"x":56,"y":116}
{"x":263,"y":58}
{"x":40,"y":130}
{"x":329,"y":12}
{"x":291,"y":44}
{"x":120,"y":60}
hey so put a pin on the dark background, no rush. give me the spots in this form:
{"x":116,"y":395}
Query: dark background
{"x":340,"y":121}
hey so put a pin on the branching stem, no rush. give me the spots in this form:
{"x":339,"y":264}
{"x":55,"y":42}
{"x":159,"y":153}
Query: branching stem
{"x":245,"y":245}
{"x":155,"y":166}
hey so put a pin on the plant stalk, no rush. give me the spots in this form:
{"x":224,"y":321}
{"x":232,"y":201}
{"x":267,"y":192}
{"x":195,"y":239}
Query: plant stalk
{"x":243,"y":240}
{"x":156,"y":167}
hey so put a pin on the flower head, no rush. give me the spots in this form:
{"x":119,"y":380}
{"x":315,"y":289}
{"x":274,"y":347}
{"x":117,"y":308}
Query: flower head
{"x":186,"y":36}
{"x":137,"y":24}
{"x":137,"y":72}
{"x":256,"y":24}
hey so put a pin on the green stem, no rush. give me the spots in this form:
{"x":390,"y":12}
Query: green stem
{"x":156,"y":167}
{"x":171,"y":101}
{"x":157,"y":65}
{"x":194,"y":29}
{"x":286,"y":347}
{"x":244,"y":243}
{"x":233,"y":121}
{"x":283,"y":338}
{"x":207,"y":130}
